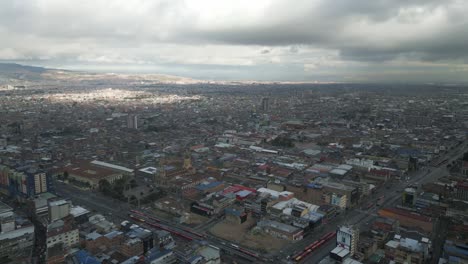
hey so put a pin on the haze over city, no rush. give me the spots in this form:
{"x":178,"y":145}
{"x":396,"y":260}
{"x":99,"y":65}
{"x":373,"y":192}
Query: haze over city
{"x":233,"y":132}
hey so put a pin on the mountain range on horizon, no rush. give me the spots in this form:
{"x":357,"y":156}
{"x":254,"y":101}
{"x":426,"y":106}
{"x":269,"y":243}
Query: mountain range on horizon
{"x":14,"y":73}
{"x":19,"y":74}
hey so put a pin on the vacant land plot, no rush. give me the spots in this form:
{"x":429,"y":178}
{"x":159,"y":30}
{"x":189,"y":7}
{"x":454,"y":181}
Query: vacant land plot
{"x":196,"y":219}
{"x":240,"y":234}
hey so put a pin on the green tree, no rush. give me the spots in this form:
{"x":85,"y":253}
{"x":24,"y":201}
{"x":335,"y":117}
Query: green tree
{"x":133,"y":183}
{"x":465,"y":156}
{"x":104,"y":186}
{"x":152,"y":197}
{"x":282,"y":142}
{"x":119,"y":185}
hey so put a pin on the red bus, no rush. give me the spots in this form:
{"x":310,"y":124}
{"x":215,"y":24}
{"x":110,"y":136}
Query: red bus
{"x":310,"y":248}
{"x":250,"y":253}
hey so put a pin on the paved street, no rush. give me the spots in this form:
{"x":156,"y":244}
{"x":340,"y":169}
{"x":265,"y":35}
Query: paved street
{"x":117,"y":211}
{"x":357,"y":216}
{"x":113,"y":209}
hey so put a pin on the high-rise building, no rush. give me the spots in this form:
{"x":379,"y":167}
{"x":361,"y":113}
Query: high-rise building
{"x":58,"y":209}
{"x":409,"y":196}
{"x":40,"y":182}
{"x":265,"y":104}
{"x":24,"y":182}
{"x":347,"y":237}
{"x":132,"y":121}
{"x":62,"y":231}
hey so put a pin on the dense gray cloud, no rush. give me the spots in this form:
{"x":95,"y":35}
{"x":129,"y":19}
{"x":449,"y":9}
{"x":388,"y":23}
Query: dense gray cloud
{"x":322,"y":39}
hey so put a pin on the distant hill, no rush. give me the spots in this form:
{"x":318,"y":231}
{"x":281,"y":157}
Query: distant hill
{"x":17,"y":68}
{"x":11,"y":73}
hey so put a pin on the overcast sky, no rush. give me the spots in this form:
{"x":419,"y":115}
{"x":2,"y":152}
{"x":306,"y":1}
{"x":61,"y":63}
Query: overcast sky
{"x":323,"y":40}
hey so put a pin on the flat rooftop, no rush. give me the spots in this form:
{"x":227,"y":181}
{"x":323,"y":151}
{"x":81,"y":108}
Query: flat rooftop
{"x":111,"y":166}
{"x":277,"y":225}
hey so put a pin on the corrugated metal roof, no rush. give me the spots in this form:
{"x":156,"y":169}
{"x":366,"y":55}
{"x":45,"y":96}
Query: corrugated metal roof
{"x":111,"y":166}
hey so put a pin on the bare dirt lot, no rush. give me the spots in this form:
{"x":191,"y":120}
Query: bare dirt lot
{"x":240,"y":234}
{"x":196,"y":219}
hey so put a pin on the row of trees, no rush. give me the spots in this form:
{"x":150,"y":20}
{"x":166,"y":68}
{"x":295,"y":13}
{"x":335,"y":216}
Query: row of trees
{"x":116,"y":190}
{"x":282,"y":141}
{"x":63,"y":177}
{"x":153,"y":196}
